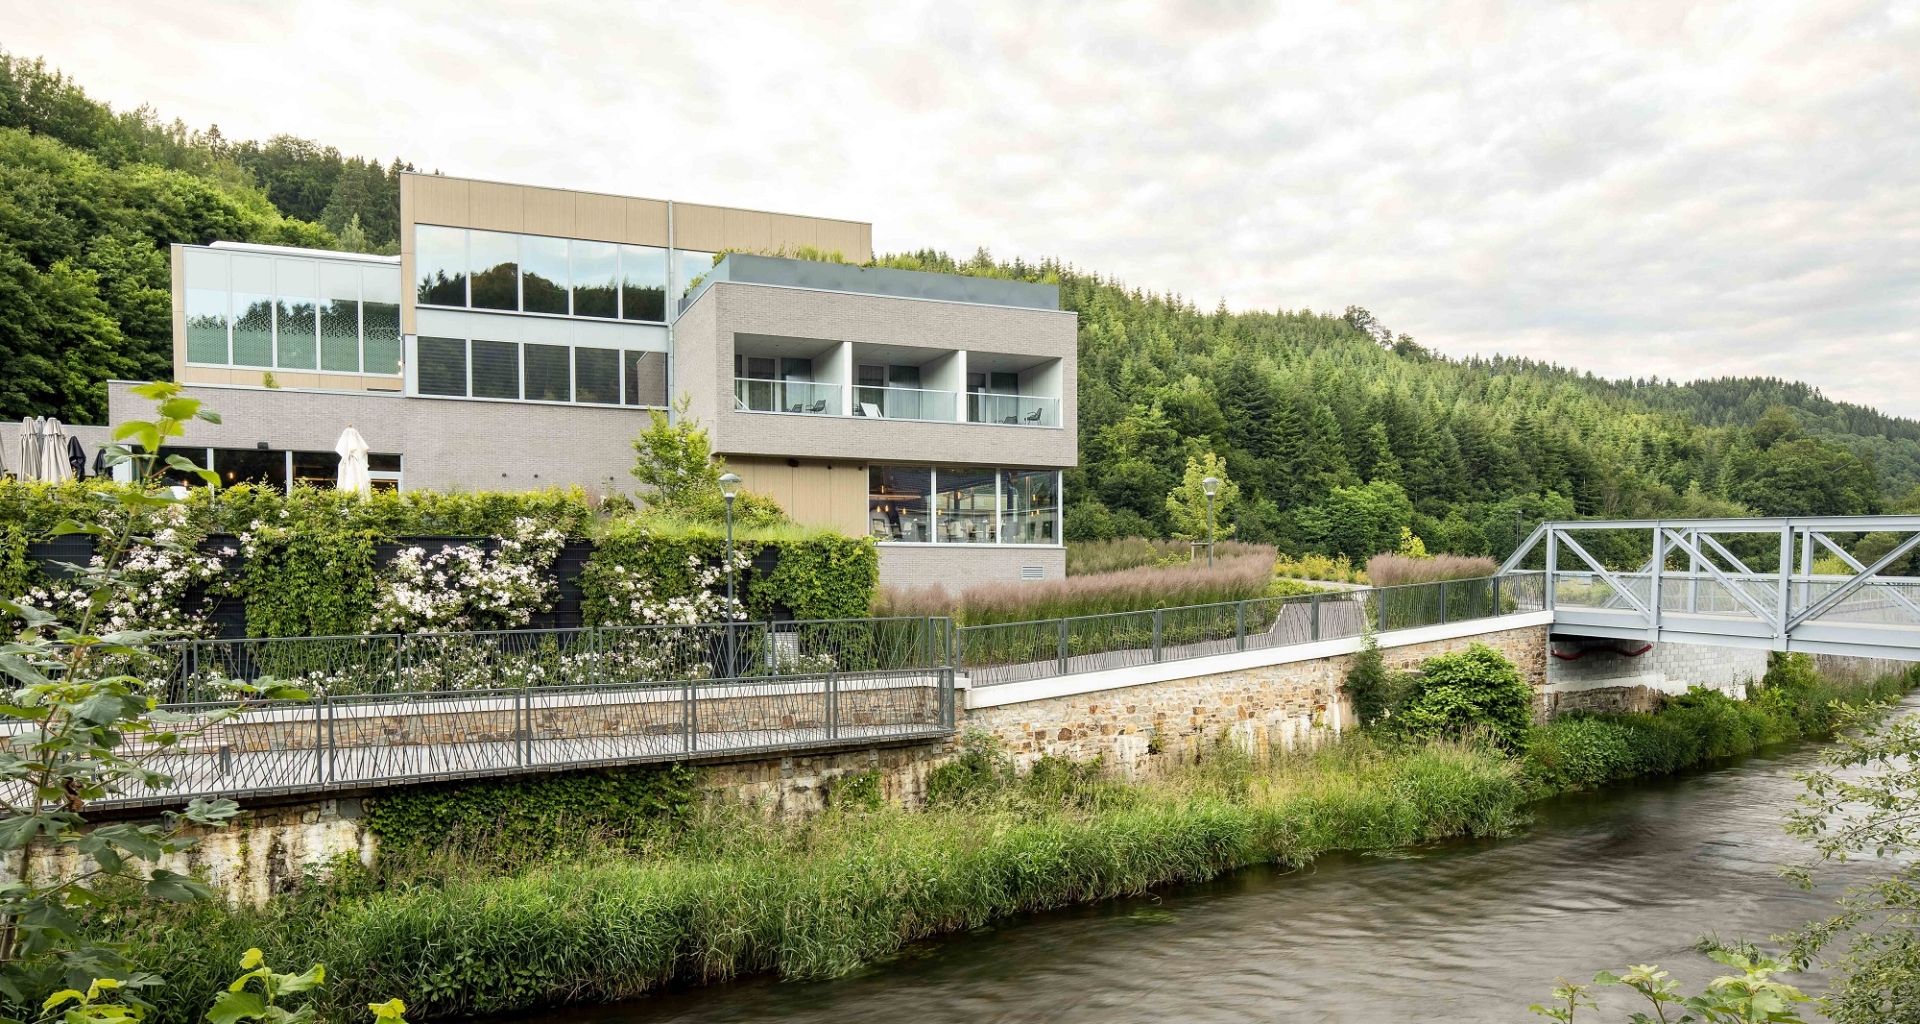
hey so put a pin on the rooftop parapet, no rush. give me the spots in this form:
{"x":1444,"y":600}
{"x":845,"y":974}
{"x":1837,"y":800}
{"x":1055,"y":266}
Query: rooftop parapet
{"x":742,"y":268}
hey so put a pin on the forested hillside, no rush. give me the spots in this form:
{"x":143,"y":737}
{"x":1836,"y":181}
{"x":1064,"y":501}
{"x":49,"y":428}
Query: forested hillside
{"x":1337,"y":431}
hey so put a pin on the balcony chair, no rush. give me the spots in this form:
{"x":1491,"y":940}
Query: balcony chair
{"x":819,"y":405}
{"x":1034,"y":416}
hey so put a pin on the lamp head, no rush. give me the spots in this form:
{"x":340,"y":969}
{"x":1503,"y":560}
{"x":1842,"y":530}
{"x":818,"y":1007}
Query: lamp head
{"x":1211,"y":485}
{"x":729,"y":485}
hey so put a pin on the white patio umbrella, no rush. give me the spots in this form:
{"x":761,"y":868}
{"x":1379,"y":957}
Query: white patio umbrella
{"x":352,"y":449}
{"x":29,"y":449}
{"x":53,"y":452}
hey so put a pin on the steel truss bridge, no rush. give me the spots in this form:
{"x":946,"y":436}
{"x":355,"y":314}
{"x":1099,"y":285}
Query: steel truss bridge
{"x":1698,"y":583}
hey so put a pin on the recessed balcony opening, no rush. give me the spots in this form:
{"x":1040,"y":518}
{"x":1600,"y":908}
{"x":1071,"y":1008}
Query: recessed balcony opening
{"x":1013,"y":390}
{"x":787,"y":375}
{"x":901,"y":383}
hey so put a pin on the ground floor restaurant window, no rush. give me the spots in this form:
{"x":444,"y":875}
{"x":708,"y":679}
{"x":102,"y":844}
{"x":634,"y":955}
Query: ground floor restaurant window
{"x":954,"y":505}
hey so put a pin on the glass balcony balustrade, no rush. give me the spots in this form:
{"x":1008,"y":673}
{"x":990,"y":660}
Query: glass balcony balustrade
{"x":753,"y":394}
{"x":1013,"y":410}
{"x":904,"y":404}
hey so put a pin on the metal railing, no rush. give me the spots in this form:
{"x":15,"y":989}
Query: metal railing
{"x":196,"y":671}
{"x":992,"y":655}
{"x":755,"y":394}
{"x":1013,"y":410}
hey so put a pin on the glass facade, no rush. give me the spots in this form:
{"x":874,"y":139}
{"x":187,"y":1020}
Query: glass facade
{"x":279,"y":468}
{"x":463,"y":268}
{"x":292,"y":313}
{"x":691,"y":266}
{"x":512,"y":371}
{"x":916,"y":504}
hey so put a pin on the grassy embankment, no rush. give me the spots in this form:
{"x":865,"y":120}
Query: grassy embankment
{"x":566,"y":902}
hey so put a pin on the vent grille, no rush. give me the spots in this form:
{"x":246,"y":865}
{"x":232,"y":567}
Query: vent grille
{"x":1033,"y":572}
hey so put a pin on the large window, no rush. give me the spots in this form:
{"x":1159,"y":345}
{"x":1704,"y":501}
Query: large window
{"x":691,"y":266}
{"x":965,"y":505}
{"x":252,"y":310}
{"x":294,"y":313}
{"x":914,"y":504}
{"x":475,"y":269}
{"x":208,"y":309}
{"x":339,"y":318}
{"x":512,"y":371}
{"x":897,"y":503}
{"x":280,"y":469}
{"x":1031,"y":503}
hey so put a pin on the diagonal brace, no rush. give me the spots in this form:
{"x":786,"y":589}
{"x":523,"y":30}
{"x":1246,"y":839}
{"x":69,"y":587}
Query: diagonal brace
{"x":1612,"y":580}
{"x":1827,"y":603}
{"x":1892,"y":592}
{"x":1739,"y":593}
{"x":1526,"y":548}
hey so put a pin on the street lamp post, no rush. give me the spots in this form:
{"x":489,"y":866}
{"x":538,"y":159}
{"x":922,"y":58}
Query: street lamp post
{"x":1211,"y":485}
{"x":729,"y":488}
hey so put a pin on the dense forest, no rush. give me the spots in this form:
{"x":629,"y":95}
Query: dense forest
{"x":1337,"y":431}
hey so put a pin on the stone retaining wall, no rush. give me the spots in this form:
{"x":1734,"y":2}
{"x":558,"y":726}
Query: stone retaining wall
{"x":1141,"y":729}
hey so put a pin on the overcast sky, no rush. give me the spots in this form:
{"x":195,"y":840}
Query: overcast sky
{"x":1655,"y":188}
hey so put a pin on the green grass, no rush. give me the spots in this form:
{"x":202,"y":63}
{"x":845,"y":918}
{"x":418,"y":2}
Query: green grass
{"x":726,"y":892}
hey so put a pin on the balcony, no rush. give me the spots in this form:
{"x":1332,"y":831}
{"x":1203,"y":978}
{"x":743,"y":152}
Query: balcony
{"x":895,"y":403}
{"x":1013,"y":410}
{"x":753,"y":394}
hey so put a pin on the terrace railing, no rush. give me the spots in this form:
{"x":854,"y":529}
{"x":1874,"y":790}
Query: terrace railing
{"x":1013,"y":652}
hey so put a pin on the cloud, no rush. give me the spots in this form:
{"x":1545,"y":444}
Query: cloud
{"x":1639,"y":189}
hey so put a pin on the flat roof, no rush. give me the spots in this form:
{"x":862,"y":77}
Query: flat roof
{"x":742,"y":268}
{"x":294,"y":250}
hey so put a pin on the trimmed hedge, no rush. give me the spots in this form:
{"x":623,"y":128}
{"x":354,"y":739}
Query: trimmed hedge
{"x":818,"y":574}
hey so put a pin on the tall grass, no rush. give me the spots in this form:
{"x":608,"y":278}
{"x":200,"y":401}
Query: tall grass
{"x":1319,"y":567}
{"x":1230,"y":579}
{"x":1088,"y":558}
{"x":739,"y":894}
{"x":1389,"y":570}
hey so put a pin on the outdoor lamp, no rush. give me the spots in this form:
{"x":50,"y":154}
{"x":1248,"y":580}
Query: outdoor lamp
{"x":730,"y":486}
{"x":1211,"y":485}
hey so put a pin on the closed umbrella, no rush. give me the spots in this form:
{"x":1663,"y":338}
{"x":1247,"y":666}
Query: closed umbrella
{"x":77,"y":458}
{"x":53,"y":453}
{"x":29,"y":449}
{"x":352,"y":449}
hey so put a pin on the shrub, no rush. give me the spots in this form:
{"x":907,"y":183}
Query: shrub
{"x":1319,"y":567}
{"x":1369,"y":684}
{"x":1395,"y":569}
{"x":1465,"y":691}
{"x":654,"y":569}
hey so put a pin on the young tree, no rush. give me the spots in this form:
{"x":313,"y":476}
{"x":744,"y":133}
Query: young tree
{"x":1187,"y":505}
{"x":676,"y":465}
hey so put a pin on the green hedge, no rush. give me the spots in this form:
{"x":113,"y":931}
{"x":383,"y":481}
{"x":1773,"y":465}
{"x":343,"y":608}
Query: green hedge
{"x":819,"y":575}
{"x":306,"y":582}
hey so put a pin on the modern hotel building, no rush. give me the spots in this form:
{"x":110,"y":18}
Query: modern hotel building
{"x":523,"y":334}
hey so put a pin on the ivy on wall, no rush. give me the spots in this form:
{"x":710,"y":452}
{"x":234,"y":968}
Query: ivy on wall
{"x":818,"y":575}
{"x":513,"y":821}
{"x":16,"y":573}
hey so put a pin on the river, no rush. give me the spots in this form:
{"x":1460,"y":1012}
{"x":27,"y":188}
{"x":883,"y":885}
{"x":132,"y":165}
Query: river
{"x":1463,"y":931}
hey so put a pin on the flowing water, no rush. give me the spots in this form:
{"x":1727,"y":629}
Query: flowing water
{"x":1468,"y":931}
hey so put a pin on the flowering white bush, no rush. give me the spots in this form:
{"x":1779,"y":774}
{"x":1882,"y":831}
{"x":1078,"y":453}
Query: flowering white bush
{"x":156,"y":575}
{"x":462,"y":587}
{"x":634,"y":600}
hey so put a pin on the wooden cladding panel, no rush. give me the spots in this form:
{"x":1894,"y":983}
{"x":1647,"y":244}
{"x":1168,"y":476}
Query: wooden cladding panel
{"x":699,"y":227}
{"x":646,"y":222}
{"x":438,"y":200}
{"x":814,"y":493}
{"x":496,"y":207}
{"x":549,"y":211}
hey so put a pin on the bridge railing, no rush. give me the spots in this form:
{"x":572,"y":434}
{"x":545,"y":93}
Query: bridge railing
{"x":1001,"y":653}
{"x":1885,"y":600}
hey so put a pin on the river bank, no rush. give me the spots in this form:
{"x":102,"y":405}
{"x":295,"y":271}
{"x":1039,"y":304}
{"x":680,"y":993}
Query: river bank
{"x":725,"y":893}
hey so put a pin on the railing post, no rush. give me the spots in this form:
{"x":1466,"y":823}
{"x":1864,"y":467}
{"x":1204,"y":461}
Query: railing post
{"x":319,"y":751}
{"x":1443,"y":602}
{"x":833,"y":706}
{"x":1553,"y":566}
{"x":522,"y":727}
{"x":1659,"y":574}
{"x":1156,"y":634}
{"x":1496,"y":613}
{"x":1240,"y":625}
{"x":686,"y":719}
{"x":399,"y":662}
{"x":1784,"y":611}
{"x":1065,"y":652}
{"x":333,"y":771}
{"x":1313,"y":617}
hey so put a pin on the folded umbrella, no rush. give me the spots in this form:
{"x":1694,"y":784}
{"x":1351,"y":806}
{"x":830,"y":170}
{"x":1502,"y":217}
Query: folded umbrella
{"x":353,"y":476}
{"x":53,"y":452}
{"x":77,"y":458}
{"x":29,"y":448}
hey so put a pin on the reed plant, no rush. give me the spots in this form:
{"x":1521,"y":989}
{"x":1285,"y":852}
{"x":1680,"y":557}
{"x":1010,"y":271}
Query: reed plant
{"x":1239,"y":578}
{"x":738,"y":893}
{"x":1391,"y":570}
{"x":1090,"y":558}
